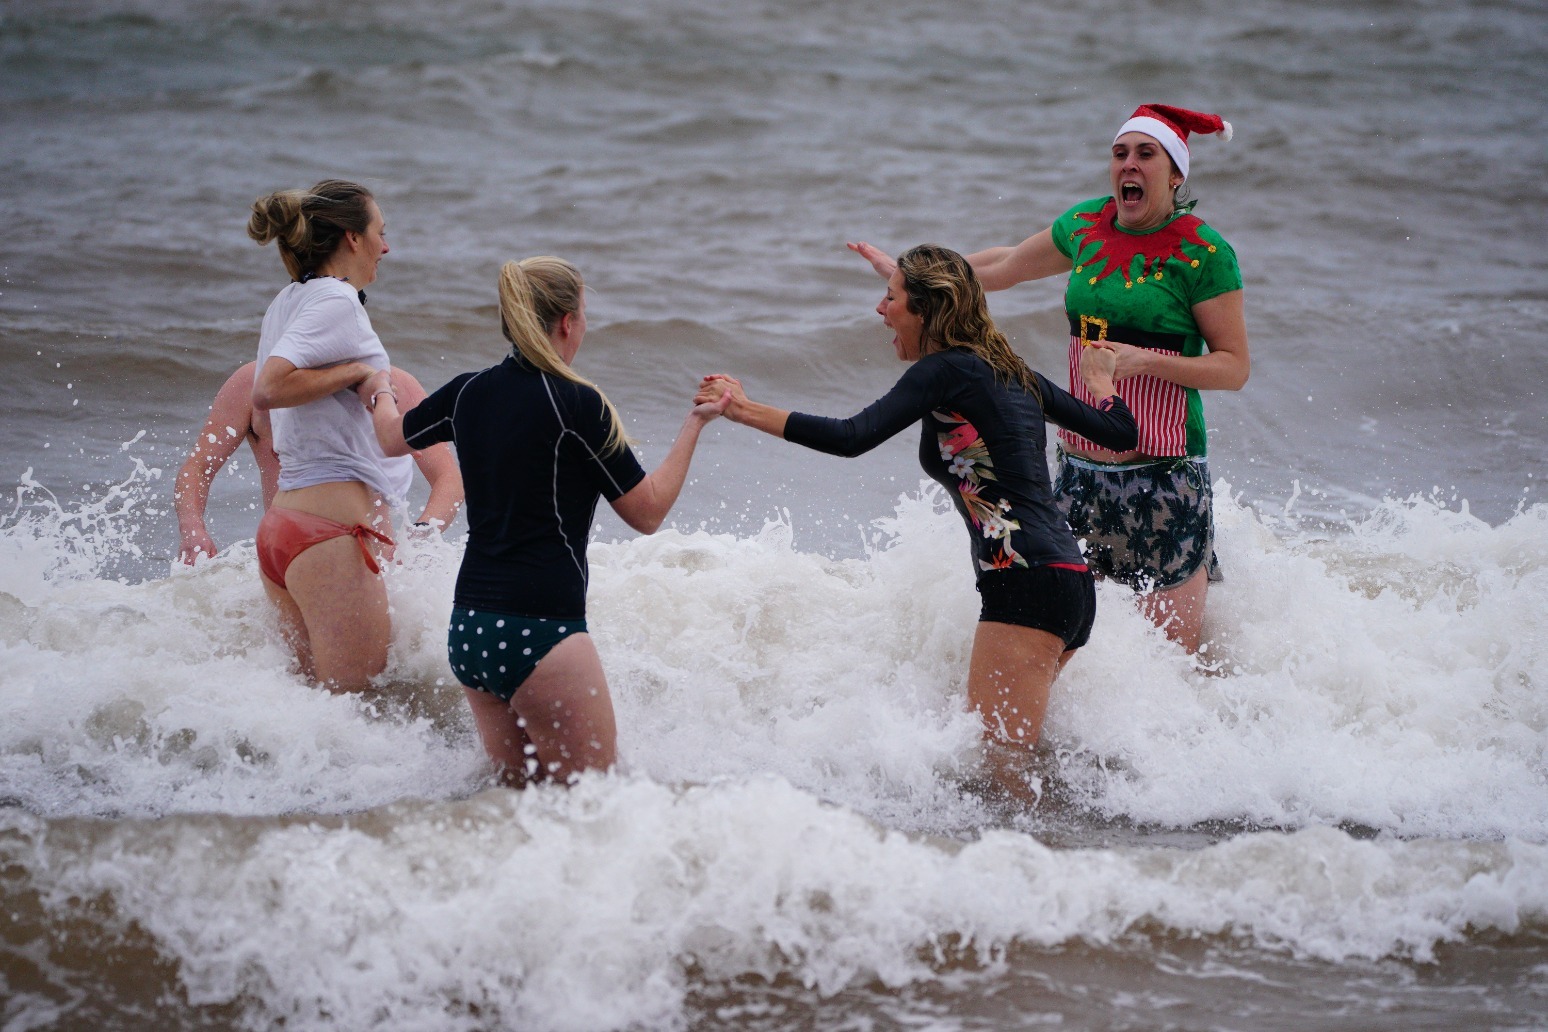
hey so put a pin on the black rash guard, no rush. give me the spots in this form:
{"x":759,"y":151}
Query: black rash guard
{"x":984,"y":441}
{"x":530,"y":447}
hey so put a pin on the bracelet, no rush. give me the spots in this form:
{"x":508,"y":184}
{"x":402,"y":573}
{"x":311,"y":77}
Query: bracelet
{"x":378,"y":394}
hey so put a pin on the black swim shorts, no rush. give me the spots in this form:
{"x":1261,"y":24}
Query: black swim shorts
{"x":1056,"y":599}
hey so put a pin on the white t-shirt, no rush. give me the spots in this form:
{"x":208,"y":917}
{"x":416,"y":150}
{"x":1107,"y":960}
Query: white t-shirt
{"x":314,"y":325}
{"x":400,"y":474}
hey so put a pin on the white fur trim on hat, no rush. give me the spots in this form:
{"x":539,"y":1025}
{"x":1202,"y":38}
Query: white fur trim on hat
{"x":1164,"y":134}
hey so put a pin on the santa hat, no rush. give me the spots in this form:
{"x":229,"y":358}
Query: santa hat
{"x":1171,"y":126}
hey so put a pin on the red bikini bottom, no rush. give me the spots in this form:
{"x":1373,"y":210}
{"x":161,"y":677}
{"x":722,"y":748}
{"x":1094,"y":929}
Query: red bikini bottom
{"x":284,"y":534}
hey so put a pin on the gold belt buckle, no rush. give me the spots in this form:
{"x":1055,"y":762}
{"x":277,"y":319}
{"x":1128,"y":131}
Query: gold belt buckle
{"x":1086,"y":322}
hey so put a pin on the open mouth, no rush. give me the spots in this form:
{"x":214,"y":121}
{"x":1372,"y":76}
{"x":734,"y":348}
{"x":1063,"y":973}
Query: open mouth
{"x":1131,"y":193}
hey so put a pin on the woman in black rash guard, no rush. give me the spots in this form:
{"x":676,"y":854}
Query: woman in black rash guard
{"x":981,"y":414}
{"x":538,"y":445}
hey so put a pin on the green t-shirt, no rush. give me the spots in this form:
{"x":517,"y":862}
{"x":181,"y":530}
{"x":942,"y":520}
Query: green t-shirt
{"x":1146,"y":281}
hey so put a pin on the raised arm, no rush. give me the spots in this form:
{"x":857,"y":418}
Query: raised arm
{"x":228,"y":424}
{"x":910,"y":398}
{"x":1036,"y":257}
{"x":436,"y":463}
{"x":1223,"y":324}
{"x":281,"y":385}
{"x":739,"y":408}
{"x":645,"y":506}
{"x":880,"y":260}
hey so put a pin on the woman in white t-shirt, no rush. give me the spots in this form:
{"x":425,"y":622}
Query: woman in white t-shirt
{"x":317,"y":543}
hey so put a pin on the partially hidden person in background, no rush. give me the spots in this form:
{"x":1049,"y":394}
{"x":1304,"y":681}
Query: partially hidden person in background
{"x":232,"y":421}
{"x":1153,"y":281}
{"x":538,"y":445}
{"x":318,"y":541}
{"x":981,"y":414}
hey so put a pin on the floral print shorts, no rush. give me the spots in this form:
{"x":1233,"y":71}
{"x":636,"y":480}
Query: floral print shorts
{"x":1149,"y":525}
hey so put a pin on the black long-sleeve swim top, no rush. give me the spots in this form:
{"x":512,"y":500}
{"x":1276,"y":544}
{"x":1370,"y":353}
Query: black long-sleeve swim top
{"x":985,"y":441}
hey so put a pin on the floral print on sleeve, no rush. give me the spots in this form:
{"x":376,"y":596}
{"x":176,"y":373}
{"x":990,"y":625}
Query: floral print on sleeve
{"x":966,"y":456}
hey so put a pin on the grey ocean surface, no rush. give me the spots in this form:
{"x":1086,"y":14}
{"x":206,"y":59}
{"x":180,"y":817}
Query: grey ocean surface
{"x":1345,"y":830}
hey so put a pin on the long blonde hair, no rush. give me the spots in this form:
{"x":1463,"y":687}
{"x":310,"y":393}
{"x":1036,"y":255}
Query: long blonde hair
{"x":535,"y":293}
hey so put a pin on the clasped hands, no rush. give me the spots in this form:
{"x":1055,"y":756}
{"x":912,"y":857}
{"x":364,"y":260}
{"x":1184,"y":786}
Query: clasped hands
{"x":721,"y":391}
{"x":379,"y":382}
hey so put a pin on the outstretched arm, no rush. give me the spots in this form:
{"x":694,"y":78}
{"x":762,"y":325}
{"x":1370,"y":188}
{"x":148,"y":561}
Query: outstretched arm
{"x":739,"y":408}
{"x":1036,"y":257}
{"x":880,"y":260}
{"x":908,"y":401}
{"x":646,"y":505}
{"x":229,"y":423}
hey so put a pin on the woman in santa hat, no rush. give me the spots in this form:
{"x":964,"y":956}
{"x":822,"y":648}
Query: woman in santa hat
{"x":1148,"y":277}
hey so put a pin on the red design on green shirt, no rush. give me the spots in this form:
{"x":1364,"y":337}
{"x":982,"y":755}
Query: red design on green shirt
{"x":1119,"y":249}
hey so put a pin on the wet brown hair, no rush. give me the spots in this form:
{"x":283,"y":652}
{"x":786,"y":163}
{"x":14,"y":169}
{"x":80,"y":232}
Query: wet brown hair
{"x":945,"y":293}
{"x":309,"y":225}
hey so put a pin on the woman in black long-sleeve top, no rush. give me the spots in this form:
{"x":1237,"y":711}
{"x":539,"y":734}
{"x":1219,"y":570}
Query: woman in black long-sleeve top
{"x":981,"y":413}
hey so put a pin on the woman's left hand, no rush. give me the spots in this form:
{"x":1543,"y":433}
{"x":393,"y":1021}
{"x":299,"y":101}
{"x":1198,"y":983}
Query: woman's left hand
{"x":710,"y":410}
{"x":1098,"y":365}
{"x":367,"y":389}
{"x":1130,"y":359}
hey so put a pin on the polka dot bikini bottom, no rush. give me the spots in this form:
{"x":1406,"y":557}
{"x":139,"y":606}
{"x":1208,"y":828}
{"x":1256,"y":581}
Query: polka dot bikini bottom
{"x":495,"y":652}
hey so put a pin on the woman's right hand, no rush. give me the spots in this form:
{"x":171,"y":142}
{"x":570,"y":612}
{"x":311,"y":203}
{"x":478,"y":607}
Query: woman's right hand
{"x":718,"y":387}
{"x":880,"y":260}
{"x":196,"y":544}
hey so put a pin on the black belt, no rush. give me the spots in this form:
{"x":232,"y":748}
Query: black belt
{"x":1089,"y":327}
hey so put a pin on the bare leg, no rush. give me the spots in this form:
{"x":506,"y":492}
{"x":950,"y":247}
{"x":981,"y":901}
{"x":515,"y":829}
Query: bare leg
{"x":568,"y":711}
{"x":504,"y":738}
{"x":1009,"y":677}
{"x":1179,"y":611}
{"x":343,"y":606}
{"x":292,"y":626}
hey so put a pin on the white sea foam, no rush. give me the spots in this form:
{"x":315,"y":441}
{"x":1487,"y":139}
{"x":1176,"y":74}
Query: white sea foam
{"x":792,"y":738}
{"x":177,"y":695}
{"x":1385,"y":677}
{"x":600,"y":907}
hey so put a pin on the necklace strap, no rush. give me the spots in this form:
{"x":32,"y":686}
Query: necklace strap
{"x":309,"y":275}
